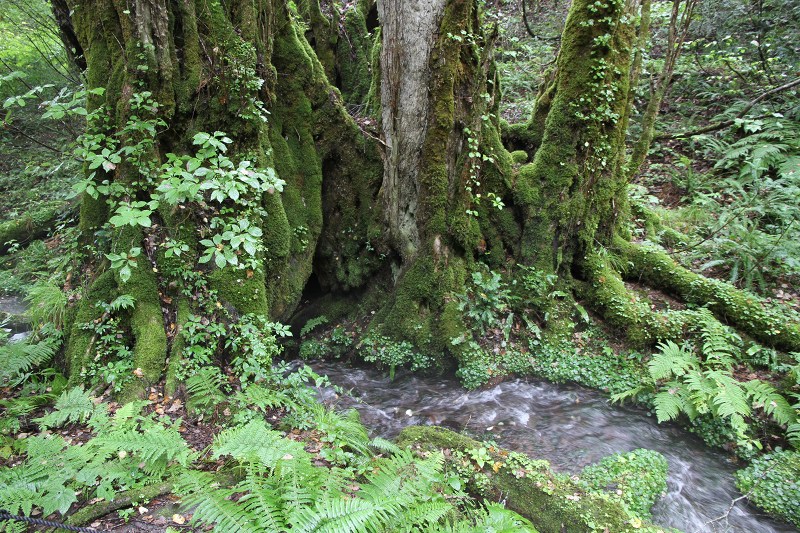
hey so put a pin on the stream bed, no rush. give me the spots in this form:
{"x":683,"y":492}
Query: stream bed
{"x":569,"y":426}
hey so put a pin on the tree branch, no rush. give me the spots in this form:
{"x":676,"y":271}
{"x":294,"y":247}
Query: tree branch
{"x":728,"y":123}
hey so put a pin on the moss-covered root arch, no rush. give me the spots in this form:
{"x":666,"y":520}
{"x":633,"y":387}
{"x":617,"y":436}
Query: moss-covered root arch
{"x":605,"y":289}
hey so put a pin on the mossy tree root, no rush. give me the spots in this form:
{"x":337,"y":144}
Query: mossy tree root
{"x":124,"y":499}
{"x":33,"y":225}
{"x":746,"y":312}
{"x":607,"y":294}
{"x":530,"y":488}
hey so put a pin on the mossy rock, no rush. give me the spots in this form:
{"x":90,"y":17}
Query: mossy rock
{"x":550,"y":501}
{"x":519,"y":157}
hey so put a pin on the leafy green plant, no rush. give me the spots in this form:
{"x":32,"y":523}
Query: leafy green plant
{"x":47,"y":303}
{"x":73,"y":406}
{"x":128,"y":451}
{"x":376,"y":348}
{"x":20,"y":358}
{"x":682,"y":383}
{"x":312,"y":324}
{"x":638,"y":478}
{"x":250,"y":344}
{"x":486,"y":299}
{"x":282,"y":490}
{"x":112,"y":363}
{"x":337,"y":344}
{"x":125,"y":263}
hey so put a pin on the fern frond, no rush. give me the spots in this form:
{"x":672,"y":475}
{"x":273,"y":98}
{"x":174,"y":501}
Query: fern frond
{"x":72,"y":406}
{"x":262,"y":500}
{"x":204,"y":388}
{"x":498,"y":519}
{"x":764,"y":396}
{"x":671,"y":360}
{"x":211,"y":506}
{"x":384,"y":445}
{"x":624,"y":395}
{"x":256,"y":442}
{"x":20,"y":357}
{"x":336,"y":514}
{"x":793,"y":434}
{"x":730,"y":399}
{"x":668,"y":405}
{"x":46,"y":303}
{"x":721,"y":345}
{"x":265,"y":398}
{"x":423,"y":515}
{"x":299,"y":484}
{"x":343,"y":428}
{"x":155,"y":446}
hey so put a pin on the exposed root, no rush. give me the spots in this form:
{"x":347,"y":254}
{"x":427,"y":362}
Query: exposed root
{"x":121,"y":501}
{"x":746,"y":312}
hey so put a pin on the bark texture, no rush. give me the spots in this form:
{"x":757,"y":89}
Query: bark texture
{"x":409,"y":30}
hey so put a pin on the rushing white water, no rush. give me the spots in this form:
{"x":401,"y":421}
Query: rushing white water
{"x":568,"y":425}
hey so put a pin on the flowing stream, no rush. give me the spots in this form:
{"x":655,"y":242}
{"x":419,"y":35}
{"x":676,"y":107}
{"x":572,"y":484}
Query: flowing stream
{"x":570,"y":426}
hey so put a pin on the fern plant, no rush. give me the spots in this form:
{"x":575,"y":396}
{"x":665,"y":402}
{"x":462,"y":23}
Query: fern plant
{"x":129,"y":451}
{"x":47,"y":303}
{"x":754,"y":199}
{"x":282,"y":490}
{"x":73,"y":406}
{"x":19,"y":358}
{"x":683,"y":383}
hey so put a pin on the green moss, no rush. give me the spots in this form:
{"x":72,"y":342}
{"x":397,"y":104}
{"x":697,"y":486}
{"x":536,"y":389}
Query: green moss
{"x":354,"y":56}
{"x":79,"y":341}
{"x":146,"y":320}
{"x":578,"y":166}
{"x":551,"y":502}
{"x":176,"y":350}
{"x":239,"y":292}
{"x":34,"y":224}
{"x":607,"y":294}
{"x":519,"y":157}
{"x":772,"y":482}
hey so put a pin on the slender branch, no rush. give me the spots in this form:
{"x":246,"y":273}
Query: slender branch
{"x":32,"y":139}
{"x":728,"y":123}
{"x":528,"y":25}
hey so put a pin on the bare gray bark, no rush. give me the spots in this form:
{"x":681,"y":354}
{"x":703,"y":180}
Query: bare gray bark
{"x":409,"y":29}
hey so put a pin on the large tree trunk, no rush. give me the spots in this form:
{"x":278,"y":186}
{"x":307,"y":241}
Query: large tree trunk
{"x":439,"y":98}
{"x":211,"y":67}
{"x":574,"y":189}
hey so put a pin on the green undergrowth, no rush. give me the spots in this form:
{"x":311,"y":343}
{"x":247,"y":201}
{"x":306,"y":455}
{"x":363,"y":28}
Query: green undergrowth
{"x":279,"y":460}
{"x":637,"y":478}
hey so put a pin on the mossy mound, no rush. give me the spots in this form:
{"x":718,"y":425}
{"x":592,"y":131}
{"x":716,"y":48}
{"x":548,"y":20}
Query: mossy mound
{"x":772,"y":482}
{"x":638,"y":478}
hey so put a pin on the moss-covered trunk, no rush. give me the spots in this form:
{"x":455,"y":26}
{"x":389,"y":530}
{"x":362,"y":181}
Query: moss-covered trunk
{"x":444,"y":163}
{"x":574,"y":190}
{"x":168,"y":71}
